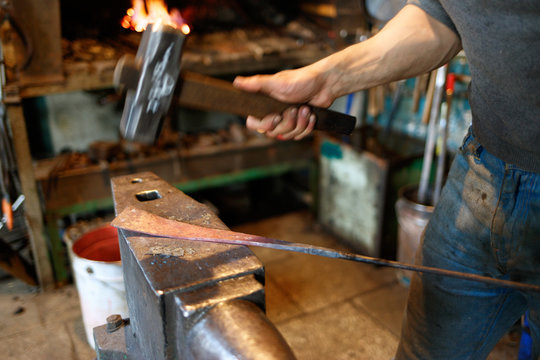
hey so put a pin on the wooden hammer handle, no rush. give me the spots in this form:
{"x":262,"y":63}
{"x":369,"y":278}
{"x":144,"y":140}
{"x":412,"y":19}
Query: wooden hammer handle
{"x":208,"y":93}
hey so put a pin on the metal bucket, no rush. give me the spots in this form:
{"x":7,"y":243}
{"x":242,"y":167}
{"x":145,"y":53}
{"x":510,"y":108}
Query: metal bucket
{"x":412,"y":219}
{"x":95,"y":259}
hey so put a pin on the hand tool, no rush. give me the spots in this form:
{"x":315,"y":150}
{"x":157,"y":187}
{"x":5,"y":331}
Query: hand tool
{"x":429,"y":97}
{"x":432,"y":135}
{"x":150,"y":79}
{"x":140,"y":221}
{"x":396,"y":101}
{"x":7,"y":210}
{"x":441,"y":161}
{"x":6,"y":155}
{"x":419,"y":89}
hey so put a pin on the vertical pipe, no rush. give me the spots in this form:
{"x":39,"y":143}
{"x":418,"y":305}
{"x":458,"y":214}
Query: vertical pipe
{"x":432,"y":134}
{"x":441,"y":162}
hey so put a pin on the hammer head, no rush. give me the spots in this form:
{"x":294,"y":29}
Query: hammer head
{"x":150,"y":79}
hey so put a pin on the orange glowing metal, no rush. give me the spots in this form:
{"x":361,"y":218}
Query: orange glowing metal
{"x":148,"y":12}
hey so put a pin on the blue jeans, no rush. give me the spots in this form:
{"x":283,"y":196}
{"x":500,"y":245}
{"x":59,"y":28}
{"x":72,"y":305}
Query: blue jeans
{"x":487,"y":222}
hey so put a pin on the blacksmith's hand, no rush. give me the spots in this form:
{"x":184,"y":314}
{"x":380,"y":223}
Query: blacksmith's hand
{"x":300,"y":86}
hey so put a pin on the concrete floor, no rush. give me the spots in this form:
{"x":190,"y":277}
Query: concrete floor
{"x":326,"y":309}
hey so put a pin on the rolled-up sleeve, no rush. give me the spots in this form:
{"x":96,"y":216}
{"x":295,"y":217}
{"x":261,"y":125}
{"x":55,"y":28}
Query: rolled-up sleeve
{"x":435,"y":10}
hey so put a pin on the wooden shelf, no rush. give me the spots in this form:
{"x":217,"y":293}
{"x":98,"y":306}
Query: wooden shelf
{"x":88,"y":189}
{"x":245,"y":59}
{"x":63,"y":189}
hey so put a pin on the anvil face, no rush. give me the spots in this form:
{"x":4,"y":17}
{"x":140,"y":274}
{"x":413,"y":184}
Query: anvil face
{"x":155,"y":72}
{"x":170,"y":283}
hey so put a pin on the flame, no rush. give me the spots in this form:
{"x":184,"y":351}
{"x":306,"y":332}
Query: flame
{"x":142,"y":13}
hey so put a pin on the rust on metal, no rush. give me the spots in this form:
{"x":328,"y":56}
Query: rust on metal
{"x":137,"y":220}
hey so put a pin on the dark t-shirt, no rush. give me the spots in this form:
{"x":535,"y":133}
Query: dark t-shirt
{"x":501,"y":40}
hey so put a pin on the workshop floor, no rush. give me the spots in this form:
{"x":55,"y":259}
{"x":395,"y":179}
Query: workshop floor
{"x":326,"y":309}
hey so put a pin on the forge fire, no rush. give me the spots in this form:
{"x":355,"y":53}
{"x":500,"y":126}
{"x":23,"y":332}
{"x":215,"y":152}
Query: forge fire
{"x":147,"y":12}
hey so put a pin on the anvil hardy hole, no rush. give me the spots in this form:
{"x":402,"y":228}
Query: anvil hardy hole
{"x":136,"y":180}
{"x":148,"y":195}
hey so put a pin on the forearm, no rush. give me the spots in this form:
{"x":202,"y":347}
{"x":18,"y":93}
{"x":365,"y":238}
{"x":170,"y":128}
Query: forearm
{"x":410,"y":44}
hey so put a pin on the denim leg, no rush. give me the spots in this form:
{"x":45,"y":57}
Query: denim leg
{"x":524,"y":265}
{"x":486,"y":222}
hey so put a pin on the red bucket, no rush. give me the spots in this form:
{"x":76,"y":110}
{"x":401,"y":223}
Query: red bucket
{"x":97,"y":269}
{"x":100,"y":244}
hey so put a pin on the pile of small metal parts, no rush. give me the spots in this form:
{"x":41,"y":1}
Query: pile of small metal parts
{"x":89,"y":49}
{"x":111,"y":151}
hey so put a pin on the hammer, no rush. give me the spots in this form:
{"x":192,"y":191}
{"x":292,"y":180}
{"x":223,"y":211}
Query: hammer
{"x":151,"y":76}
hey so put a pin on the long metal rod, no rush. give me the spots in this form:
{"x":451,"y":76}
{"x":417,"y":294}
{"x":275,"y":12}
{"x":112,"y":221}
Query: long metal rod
{"x":431,"y":135}
{"x":140,"y":221}
{"x":445,"y":124}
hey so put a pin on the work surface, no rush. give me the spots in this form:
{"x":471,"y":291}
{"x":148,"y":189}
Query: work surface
{"x":325,"y":308}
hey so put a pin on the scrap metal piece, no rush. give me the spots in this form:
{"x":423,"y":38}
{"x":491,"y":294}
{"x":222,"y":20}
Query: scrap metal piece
{"x":140,"y":221}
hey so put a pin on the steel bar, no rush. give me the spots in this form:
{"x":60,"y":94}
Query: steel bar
{"x":429,"y":97}
{"x":445,"y":124}
{"x":432,"y":135}
{"x":140,"y":221}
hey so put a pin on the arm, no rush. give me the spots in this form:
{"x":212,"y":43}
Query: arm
{"x":412,"y":43}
